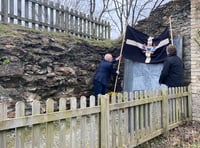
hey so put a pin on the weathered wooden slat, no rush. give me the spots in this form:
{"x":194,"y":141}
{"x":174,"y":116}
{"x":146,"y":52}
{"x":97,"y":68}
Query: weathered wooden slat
{"x":177,"y":105}
{"x":46,"y":14}
{"x":83,"y":124}
{"x":146,"y":114}
{"x":119,"y":129}
{"x":104,"y":121}
{"x":141,"y":115}
{"x":63,"y":128}
{"x":73,"y":124}
{"x":170,"y":106}
{"x":12,"y":11}
{"x":51,"y":16}
{"x":173,"y":105}
{"x":76,"y":23}
{"x":151,"y":117}
{"x":132,"y":123}
{"x":3,"y":115}
{"x":185,"y":102}
{"x":113,"y":123}
{"x":126,"y":140}
{"x":108,"y":30}
{"x":19,"y":132}
{"x":137,"y":119}
{"x":81,"y":24}
{"x":19,"y":11}
{"x":40,"y":14}
{"x":71,"y":21}
{"x":182,"y":108}
{"x":49,"y":125}
{"x":67,"y":19}
{"x":179,"y":102}
{"x":165,"y":112}
{"x":62,"y":18}
{"x":33,"y":15}
{"x":88,"y":30}
{"x":92,"y":123}
{"x":84,"y":25}
{"x":189,"y":102}
{"x":4,"y":8}
{"x":57,"y":17}
{"x":26,"y":12}
{"x":36,"y":128}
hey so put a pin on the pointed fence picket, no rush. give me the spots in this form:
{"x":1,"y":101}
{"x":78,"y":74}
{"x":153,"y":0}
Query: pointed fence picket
{"x":119,"y":120}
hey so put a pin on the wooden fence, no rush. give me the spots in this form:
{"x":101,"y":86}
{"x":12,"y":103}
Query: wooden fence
{"x":123,"y":120}
{"x":44,"y":15}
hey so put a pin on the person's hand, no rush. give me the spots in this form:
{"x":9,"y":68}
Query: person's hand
{"x":117,"y":72}
{"x":118,"y":58}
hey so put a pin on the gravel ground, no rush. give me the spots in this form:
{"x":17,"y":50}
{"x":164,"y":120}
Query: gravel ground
{"x":185,"y":136}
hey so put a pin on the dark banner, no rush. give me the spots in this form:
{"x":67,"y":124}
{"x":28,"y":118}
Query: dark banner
{"x":142,"y":48}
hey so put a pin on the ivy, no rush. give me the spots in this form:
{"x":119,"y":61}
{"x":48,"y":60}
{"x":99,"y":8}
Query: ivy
{"x":6,"y":61}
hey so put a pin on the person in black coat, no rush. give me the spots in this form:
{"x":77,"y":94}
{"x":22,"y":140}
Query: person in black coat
{"x":103,"y":74}
{"x":173,"y":70}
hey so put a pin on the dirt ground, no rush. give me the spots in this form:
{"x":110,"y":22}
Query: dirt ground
{"x":185,"y":136}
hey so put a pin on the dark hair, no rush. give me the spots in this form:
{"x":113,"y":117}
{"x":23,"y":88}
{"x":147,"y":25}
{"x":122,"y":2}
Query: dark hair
{"x":171,"y":49}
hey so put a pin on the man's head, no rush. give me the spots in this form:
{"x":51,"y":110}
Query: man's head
{"x":108,"y":57}
{"x":171,"y":50}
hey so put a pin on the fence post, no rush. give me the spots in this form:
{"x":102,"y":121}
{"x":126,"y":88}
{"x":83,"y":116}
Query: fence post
{"x":105,"y":121}
{"x":190,"y":102}
{"x":165,"y":111}
{"x":4,"y":8}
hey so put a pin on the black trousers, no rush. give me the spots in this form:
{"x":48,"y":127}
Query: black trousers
{"x":99,"y":88}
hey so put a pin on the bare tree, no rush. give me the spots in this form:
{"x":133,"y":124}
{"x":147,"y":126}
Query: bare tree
{"x":92,"y":7}
{"x":119,"y":12}
{"x":130,"y":11}
{"x":104,"y":8}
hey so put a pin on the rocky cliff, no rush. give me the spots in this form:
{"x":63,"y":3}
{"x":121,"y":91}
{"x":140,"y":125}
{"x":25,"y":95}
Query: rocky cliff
{"x":38,"y":65}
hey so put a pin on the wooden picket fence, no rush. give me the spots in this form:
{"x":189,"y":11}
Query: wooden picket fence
{"x":50,"y":16}
{"x":121,"y":120}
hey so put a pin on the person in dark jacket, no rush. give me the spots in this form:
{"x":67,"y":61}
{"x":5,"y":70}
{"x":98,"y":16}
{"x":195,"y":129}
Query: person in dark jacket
{"x":103,"y":74}
{"x":173,"y":70}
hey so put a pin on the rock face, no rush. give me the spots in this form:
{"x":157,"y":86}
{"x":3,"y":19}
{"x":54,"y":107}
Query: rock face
{"x":36,"y":65}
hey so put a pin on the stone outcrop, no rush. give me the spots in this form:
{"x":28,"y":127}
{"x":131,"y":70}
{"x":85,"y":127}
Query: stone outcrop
{"x":36,"y":65}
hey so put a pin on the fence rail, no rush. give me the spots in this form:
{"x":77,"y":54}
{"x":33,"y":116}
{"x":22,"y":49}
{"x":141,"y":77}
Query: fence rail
{"x":44,"y":15}
{"x":122,"y":120}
